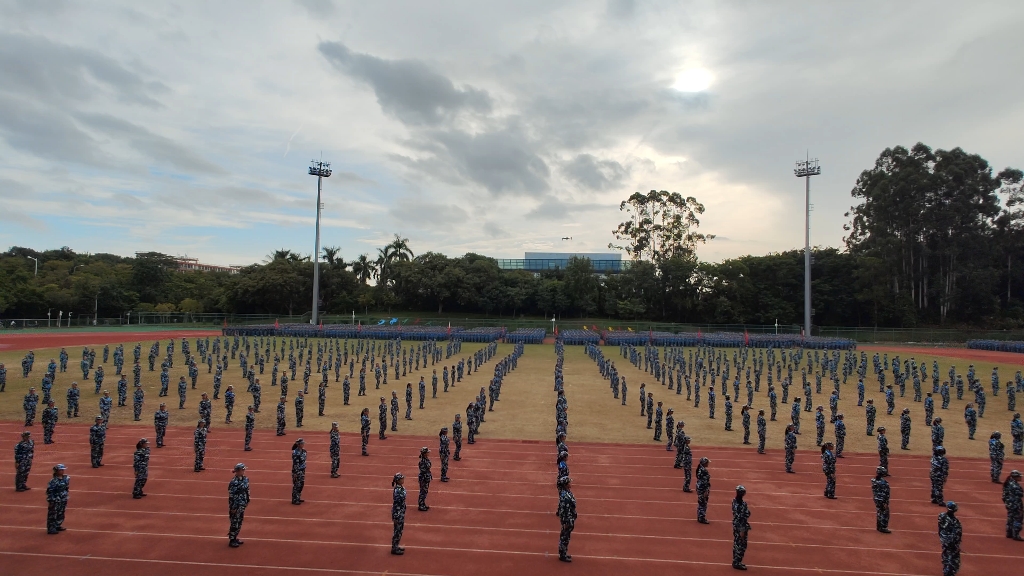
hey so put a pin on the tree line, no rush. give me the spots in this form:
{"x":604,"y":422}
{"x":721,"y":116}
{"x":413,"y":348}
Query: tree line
{"x":936,"y":237}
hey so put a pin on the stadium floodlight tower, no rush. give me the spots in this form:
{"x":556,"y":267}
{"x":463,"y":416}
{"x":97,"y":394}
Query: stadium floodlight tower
{"x":809,"y":167}
{"x":321,"y":170}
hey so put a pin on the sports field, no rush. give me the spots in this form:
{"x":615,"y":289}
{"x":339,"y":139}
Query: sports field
{"x":497,"y":513}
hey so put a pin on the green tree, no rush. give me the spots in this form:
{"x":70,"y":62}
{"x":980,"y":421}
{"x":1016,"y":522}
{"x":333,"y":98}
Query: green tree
{"x":661,"y":225}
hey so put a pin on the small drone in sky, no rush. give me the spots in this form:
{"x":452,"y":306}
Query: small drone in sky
{"x":566,"y":237}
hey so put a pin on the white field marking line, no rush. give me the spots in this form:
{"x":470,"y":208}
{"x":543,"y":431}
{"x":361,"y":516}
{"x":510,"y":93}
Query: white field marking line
{"x":477,"y":550}
{"x":548,"y":531}
{"x":477,"y":450}
{"x":359,"y":462}
{"x":212,"y":564}
{"x":507,"y":443}
{"x":508,"y":510}
{"x":623,"y":488}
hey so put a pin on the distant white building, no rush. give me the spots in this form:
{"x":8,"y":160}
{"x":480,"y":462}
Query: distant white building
{"x":603,"y":262}
{"x":186,"y":264}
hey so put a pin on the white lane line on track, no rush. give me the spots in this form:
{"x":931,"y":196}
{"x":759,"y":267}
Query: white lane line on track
{"x":509,"y":510}
{"x":918,"y":482}
{"x":505,"y":552}
{"x":544,"y":496}
{"x":543,"y":531}
{"x":210,"y":564}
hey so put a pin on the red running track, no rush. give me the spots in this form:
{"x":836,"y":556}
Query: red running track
{"x":43,"y":340}
{"x":495,"y":515}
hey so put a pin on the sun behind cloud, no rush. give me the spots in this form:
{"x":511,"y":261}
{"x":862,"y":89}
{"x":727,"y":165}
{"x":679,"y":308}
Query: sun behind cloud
{"x":693,"y":80}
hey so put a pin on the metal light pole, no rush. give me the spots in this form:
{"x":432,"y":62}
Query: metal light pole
{"x":69,"y":319}
{"x":37,"y":264}
{"x":321,"y":170}
{"x":805,"y":170}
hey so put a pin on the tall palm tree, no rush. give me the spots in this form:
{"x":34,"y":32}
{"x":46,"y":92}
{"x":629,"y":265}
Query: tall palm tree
{"x":282,"y":254}
{"x":332,"y":254}
{"x":364,"y":268}
{"x":400,"y":250}
{"x":383,"y":264}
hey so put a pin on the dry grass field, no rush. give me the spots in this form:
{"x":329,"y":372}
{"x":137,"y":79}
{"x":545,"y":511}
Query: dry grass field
{"x":526,"y":409}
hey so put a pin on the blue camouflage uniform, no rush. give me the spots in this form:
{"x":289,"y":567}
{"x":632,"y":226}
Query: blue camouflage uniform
{"x":57,"y":503}
{"x":950,"y":536}
{"x":238,"y":499}
{"x":740,"y":528}
{"x":140,"y":465}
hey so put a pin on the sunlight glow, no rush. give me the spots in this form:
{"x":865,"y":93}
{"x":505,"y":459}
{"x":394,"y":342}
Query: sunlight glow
{"x":693,"y":80}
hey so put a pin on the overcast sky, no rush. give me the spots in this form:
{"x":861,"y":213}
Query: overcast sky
{"x":497,"y":128}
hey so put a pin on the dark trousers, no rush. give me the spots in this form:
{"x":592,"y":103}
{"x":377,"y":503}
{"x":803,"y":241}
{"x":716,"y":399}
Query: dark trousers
{"x":298,"y":483}
{"x":55,"y":515}
{"x":140,"y":483}
{"x":424,"y":490}
{"x":396,"y":536}
{"x":237,"y":515}
{"x":563,"y":537}
{"x":739,"y":546}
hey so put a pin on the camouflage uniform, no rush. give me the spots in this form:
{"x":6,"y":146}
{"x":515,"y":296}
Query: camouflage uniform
{"x":424,"y":479}
{"x":281,"y":407}
{"x":567,"y":516}
{"x":880,"y":495}
{"x":24,"y":452}
{"x":1012,"y":495}
{"x":828,"y":467}
{"x":996,"y":454}
{"x":790,"y":450}
{"x":238,"y":499}
{"x":740,"y":527}
{"x":443,"y":453}
{"x":905,"y":430}
{"x":160,"y":420}
{"x":762,"y":432}
{"x":938,"y":473}
{"x":49,"y":421}
{"x":250,"y":424}
{"x":57,"y":503}
{"x":397,"y":516}
{"x":703,"y":492}
{"x":199,"y":445}
{"x":140,"y":464}
{"x":1017,"y":433}
{"x":457,"y":437}
{"x":840,"y":435}
{"x":97,"y":437}
{"x":298,"y":474}
{"x":869,"y":415}
{"x":950,"y":536}
{"x":335,"y":450}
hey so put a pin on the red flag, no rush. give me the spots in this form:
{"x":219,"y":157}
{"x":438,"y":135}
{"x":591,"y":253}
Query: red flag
{"x":276,"y":323}
{"x":449,"y":328}
{"x":359,"y":326}
{"x":650,"y":335}
{"x":556,"y":331}
{"x":321,"y":325}
{"x":746,"y":338}
{"x":699,"y":336}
